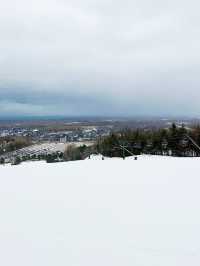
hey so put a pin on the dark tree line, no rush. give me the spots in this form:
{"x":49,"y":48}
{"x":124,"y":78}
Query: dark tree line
{"x":174,"y":141}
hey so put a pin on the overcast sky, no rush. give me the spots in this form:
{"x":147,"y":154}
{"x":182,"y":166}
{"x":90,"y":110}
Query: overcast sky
{"x":99,"y":57}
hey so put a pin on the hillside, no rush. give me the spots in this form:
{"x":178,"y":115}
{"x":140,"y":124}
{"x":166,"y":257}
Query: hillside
{"x":101,"y":213}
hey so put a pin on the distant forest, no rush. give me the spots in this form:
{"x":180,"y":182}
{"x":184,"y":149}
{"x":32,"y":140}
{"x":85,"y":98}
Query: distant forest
{"x":175,"y":141}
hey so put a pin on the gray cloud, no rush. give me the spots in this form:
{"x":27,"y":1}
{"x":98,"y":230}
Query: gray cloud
{"x":99,"y":57}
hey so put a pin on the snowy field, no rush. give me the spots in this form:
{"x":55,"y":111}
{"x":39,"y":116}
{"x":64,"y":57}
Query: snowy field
{"x":101,"y":213}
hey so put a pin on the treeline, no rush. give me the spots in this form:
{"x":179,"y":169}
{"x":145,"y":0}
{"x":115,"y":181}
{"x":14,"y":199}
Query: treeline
{"x":175,"y":141}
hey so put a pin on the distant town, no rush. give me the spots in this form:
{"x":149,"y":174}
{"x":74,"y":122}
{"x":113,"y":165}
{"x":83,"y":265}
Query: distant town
{"x":44,"y":143}
{"x":42,"y":135}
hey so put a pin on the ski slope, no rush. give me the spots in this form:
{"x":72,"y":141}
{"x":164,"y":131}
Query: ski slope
{"x":101,"y":213}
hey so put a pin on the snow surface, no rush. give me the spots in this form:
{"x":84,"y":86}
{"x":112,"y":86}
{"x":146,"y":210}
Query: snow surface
{"x":101,"y":213}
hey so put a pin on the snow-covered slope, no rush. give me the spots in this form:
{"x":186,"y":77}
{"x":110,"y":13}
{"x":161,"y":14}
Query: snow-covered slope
{"x":101,"y":213}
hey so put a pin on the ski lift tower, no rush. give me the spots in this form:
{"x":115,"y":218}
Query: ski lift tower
{"x":122,"y":146}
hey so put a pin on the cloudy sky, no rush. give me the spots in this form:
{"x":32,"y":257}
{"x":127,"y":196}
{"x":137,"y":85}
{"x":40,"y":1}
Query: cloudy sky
{"x":99,"y":57}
